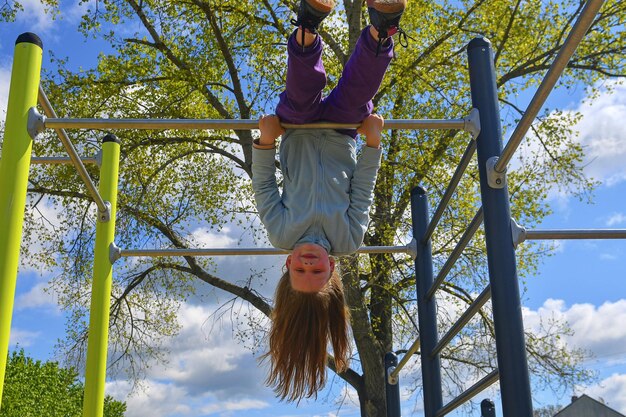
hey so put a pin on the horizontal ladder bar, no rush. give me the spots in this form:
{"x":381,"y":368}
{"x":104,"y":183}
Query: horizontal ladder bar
{"x":471,"y":311}
{"x":470,"y":393}
{"x":457,"y":251}
{"x":59,"y":160}
{"x":576,"y":234}
{"x":239,"y":124}
{"x":241,"y":251}
{"x":575,"y":36}
{"x":393,"y":375}
{"x":454,"y":182}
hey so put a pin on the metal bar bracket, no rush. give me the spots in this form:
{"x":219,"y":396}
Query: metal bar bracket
{"x":495,"y":179}
{"x":472,"y":123}
{"x":105,"y":215}
{"x":98,"y":158}
{"x":36,"y":122}
{"x":518,"y":233}
{"x":115,"y":252}
{"x":411,"y":248}
{"x":392,"y":378}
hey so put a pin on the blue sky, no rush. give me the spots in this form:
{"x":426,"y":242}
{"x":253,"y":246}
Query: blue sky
{"x":211,"y":374}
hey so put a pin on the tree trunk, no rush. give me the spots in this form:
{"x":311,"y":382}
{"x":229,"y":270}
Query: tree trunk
{"x":372,"y":389}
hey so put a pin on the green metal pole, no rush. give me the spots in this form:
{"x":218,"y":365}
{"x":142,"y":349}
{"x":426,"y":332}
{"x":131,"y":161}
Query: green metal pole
{"x":95,"y":378}
{"x":14,"y":167}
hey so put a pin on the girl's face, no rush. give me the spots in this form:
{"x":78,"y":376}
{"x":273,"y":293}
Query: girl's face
{"x":309,"y":267}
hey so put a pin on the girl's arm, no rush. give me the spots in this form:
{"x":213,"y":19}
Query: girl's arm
{"x":364,"y":177}
{"x":372,"y":129}
{"x":266,"y":194}
{"x":270,"y":130}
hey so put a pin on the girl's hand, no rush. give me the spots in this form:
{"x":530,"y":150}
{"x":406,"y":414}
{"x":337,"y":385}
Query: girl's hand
{"x":270,"y":129}
{"x":372,"y":127}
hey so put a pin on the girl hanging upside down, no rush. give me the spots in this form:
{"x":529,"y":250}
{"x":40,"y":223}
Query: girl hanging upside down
{"x":327,"y":192}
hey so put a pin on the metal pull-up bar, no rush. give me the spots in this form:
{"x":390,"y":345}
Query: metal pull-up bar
{"x":116,"y":252}
{"x":38,"y":123}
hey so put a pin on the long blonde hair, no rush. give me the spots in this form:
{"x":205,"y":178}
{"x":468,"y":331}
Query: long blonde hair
{"x":302,"y":325}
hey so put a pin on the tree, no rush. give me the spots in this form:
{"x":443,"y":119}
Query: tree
{"x":33,"y":389}
{"x":547,"y":411}
{"x":226,"y":59}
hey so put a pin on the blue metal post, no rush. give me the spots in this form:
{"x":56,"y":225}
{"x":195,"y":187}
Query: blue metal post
{"x":487,"y":408}
{"x":507,"y":311}
{"x":427,"y":308}
{"x":392,"y":390}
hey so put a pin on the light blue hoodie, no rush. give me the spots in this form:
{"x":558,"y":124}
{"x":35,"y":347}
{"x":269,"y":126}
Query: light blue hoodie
{"x":326,"y":193}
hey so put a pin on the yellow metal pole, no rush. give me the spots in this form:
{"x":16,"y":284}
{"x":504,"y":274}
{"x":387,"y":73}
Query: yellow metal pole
{"x":14,"y":166}
{"x":95,"y":377}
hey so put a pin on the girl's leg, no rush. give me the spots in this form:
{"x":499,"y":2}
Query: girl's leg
{"x":306,"y":78}
{"x":351,"y":100}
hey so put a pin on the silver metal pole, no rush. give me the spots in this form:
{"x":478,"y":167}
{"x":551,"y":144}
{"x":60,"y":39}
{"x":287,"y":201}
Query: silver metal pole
{"x":407,"y":356}
{"x":236,"y":124}
{"x":462,"y":321}
{"x":242,"y":251}
{"x":59,"y":160}
{"x":469,"y":393}
{"x":556,"y":69}
{"x":456,"y":252}
{"x":454,"y":182}
{"x":576,"y":234}
{"x":65,"y":140}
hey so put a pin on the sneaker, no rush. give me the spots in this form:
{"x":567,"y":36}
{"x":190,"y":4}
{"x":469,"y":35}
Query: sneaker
{"x":385,"y":16}
{"x":312,"y":12}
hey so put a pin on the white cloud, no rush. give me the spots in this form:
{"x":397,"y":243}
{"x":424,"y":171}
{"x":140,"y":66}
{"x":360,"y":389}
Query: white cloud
{"x":245,"y":404}
{"x":38,"y":297}
{"x":612,"y":390}
{"x":598,"y":329}
{"x":616,"y":219}
{"x":23,"y":338}
{"x":162,"y":399}
{"x":209,"y":372}
{"x":35,"y":15}
{"x":5,"y":81}
{"x":206,"y":238}
{"x":73,"y":14}
{"x":602,"y":135}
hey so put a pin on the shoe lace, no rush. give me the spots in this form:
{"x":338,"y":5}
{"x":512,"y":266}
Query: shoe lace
{"x":306,"y":26}
{"x":403,"y":39}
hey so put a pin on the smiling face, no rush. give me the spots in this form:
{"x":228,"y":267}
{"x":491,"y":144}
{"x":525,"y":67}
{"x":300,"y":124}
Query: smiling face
{"x":309,"y":267}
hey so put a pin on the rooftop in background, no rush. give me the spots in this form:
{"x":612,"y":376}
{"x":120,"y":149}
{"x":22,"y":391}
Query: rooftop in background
{"x":585,"y":406}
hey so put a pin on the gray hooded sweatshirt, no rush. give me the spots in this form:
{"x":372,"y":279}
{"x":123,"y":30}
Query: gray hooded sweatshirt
{"x":326,"y":193}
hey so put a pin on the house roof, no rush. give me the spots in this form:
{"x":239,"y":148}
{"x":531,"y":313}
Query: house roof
{"x":585,"y":406}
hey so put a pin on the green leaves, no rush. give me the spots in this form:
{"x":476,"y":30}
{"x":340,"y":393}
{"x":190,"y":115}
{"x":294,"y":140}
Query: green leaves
{"x":226,"y":59}
{"x":33,"y":389}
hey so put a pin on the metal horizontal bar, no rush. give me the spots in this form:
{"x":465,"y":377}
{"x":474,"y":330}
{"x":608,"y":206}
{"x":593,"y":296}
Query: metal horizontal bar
{"x":463,"y":320}
{"x":236,"y":124}
{"x":458,"y":173}
{"x":556,"y":69}
{"x":58,"y":160}
{"x":456,"y":252}
{"x":576,"y":234}
{"x":469,"y":393}
{"x":407,"y":356}
{"x":242,"y":251}
{"x":71,"y":151}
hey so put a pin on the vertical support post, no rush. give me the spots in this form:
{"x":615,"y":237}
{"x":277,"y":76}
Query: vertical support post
{"x":487,"y":408}
{"x":507,"y":311}
{"x":14,"y":167}
{"x":392,"y":388}
{"x":427,"y":308}
{"x":95,"y":377}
